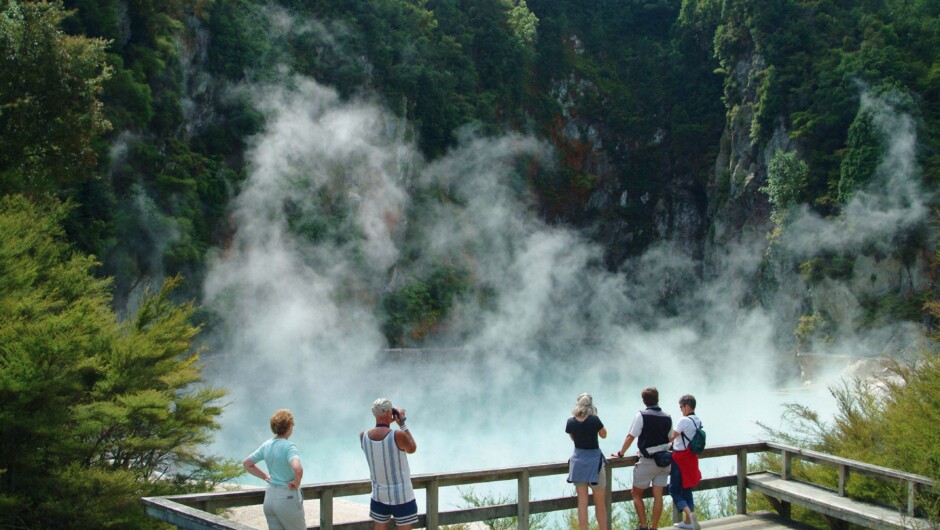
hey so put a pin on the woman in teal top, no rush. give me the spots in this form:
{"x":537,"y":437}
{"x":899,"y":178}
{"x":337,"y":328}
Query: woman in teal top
{"x":283,"y":501}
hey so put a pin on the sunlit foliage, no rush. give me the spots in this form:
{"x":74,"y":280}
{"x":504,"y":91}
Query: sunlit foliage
{"x":94,"y":413}
{"x":890,"y":420}
{"x":50,"y":108}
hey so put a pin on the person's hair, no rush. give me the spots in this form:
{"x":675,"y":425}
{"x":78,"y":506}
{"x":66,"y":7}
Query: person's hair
{"x":281,"y":421}
{"x":381,"y":406}
{"x":584,"y":406}
{"x":689,"y":400}
{"x":650,"y":396}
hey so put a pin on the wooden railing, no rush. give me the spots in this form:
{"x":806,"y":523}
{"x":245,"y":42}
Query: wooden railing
{"x":196,"y":511}
{"x":847,"y":467}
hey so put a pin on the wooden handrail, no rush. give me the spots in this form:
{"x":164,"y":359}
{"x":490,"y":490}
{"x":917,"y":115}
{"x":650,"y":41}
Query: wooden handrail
{"x":860,"y":468}
{"x":846,"y":466}
{"x":185,"y":510}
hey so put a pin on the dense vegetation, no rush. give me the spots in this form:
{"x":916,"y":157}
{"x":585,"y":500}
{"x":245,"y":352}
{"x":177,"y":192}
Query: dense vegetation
{"x":891,"y":422}
{"x":634,"y":95}
{"x":818,"y":63}
{"x":94,"y":412}
{"x":122,"y":142}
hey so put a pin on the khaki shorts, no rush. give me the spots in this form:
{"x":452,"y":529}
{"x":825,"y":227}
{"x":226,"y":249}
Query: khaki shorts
{"x":601,"y":480}
{"x":646,"y":472}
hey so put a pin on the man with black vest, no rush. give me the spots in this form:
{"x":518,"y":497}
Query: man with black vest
{"x":651,"y":428}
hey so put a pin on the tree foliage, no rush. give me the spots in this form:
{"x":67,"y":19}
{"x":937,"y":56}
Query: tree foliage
{"x":50,"y":111}
{"x":890,"y":420}
{"x":813,"y":60}
{"x":94,"y":413}
{"x":415,"y":310}
{"x":786,"y":182}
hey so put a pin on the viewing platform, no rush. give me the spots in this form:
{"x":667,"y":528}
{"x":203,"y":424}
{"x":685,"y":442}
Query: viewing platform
{"x":200,"y":511}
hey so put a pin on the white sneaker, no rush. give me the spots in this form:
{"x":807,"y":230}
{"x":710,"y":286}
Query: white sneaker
{"x":683,"y":525}
{"x":695,"y":525}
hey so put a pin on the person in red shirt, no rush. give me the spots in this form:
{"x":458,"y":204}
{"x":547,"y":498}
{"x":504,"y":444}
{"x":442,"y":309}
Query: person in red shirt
{"x":685,"y":473}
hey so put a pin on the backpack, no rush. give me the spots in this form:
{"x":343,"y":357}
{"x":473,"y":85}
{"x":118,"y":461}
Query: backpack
{"x":697,"y":443}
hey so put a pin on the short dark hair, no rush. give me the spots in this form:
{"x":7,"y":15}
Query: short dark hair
{"x":650,"y":396}
{"x":687,"y":399}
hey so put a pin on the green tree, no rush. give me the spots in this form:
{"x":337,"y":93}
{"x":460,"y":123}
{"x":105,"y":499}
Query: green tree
{"x":413,"y":311}
{"x":786,"y":182}
{"x":94,"y":413}
{"x":49,"y":106}
{"x":864,"y":151}
{"x":523,"y":22}
{"x":890,"y":422}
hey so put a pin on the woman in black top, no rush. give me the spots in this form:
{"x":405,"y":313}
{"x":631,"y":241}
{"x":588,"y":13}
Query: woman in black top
{"x":586,"y":466}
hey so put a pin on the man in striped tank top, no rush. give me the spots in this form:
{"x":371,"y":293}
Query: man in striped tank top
{"x":387,"y":453}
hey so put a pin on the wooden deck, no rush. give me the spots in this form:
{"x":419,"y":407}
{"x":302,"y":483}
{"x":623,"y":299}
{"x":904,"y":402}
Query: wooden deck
{"x":751,"y":521}
{"x":754,"y":521}
{"x":198,"y":511}
{"x":830,"y":504}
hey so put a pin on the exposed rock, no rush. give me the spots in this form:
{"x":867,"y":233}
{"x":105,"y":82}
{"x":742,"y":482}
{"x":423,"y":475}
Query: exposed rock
{"x":738,"y":209}
{"x":837,"y":300}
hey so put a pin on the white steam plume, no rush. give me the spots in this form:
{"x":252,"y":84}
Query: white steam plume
{"x":331,"y":189}
{"x":892,"y":203}
{"x":297,"y":301}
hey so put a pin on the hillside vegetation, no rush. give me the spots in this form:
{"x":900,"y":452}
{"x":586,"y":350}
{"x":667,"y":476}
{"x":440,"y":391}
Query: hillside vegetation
{"x":124,"y":129}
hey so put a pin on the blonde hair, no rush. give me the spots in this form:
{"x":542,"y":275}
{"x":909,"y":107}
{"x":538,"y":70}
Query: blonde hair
{"x":584,"y":406}
{"x":281,"y":421}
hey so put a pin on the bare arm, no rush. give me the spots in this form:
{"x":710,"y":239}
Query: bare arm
{"x":403,"y":438}
{"x":253,"y":469}
{"x":603,"y":432}
{"x":298,"y":470}
{"x":405,"y":441}
{"x":627,"y":442}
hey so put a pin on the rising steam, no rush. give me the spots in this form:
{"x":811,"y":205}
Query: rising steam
{"x":334,"y":187}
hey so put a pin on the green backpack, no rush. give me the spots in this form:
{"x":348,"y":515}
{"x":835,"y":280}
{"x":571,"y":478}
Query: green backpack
{"x":697,"y":443}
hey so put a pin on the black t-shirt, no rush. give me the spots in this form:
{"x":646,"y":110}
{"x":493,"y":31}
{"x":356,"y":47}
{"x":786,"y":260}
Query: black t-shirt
{"x":584,"y":432}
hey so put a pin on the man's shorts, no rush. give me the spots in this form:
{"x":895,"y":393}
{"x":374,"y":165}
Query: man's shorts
{"x":406,"y":513}
{"x":646,"y":472}
{"x":601,"y":480}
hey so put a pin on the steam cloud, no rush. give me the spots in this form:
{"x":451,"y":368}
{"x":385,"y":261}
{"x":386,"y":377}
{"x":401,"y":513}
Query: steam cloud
{"x":894,"y":202}
{"x":334,"y":186}
{"x":876,"y":219}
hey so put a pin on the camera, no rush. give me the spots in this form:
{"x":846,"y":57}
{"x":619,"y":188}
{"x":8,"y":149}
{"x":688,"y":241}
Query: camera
{"x":395,"y":413}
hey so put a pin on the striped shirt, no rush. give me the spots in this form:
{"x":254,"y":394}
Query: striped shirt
{"x":388,"y":467}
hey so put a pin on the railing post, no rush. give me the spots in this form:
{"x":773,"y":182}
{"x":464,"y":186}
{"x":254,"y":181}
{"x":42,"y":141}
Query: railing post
{"x":843,"y":479}
{"x":432,"y":506}
{"x":522,"y":522}
{"x":911,"y":493}
{"x":742,"y":481}
{"x":786,"y":458}
{"x":609,"y":498}
{"x":326,"y":510}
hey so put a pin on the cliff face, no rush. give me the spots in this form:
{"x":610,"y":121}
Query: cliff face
{"x":655,"y":138}
{"x":737,"y":207}
{"x":627,"y":178}
{"x":823,"y":295}
{"x":625,"y":210}
{"x":630,"y":180}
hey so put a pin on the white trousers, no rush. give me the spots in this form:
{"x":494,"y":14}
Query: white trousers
{"x":284,"y":508}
